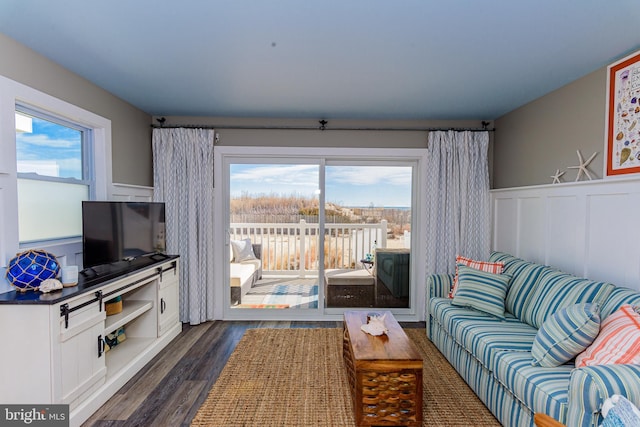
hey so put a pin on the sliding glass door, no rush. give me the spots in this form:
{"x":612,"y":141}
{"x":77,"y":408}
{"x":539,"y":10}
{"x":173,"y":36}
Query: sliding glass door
{"x":368,"y":234}
{"x":274,"y":245}
{"x":312,"y":236}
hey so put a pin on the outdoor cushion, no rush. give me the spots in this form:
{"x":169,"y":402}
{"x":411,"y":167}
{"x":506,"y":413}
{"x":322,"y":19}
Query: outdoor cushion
{"x":240,"y":273}
{"x":242,"y":250}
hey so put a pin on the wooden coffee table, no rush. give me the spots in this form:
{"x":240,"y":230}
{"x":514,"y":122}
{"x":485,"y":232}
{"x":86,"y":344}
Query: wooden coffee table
{"x":385,"y":373}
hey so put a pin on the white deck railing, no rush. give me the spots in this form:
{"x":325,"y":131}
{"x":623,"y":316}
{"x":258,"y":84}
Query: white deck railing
{"x":293,"y":248}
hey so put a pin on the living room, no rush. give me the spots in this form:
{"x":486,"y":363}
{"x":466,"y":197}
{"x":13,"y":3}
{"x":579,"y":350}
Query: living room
{"x":578,"y":227}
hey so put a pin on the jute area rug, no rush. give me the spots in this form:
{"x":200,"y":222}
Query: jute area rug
{"x":296,"y":377}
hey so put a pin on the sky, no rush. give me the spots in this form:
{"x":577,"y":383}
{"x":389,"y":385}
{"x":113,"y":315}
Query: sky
{"x":349,"y":186}
{"x":51,"y":149}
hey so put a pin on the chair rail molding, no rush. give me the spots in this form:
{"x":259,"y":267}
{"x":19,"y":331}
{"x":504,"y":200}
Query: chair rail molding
{"x":589,"y":229}
{"x":131,"y":193}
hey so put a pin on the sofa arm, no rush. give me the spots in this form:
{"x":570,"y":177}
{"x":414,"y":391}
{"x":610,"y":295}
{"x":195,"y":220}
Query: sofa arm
{"x":589,"y":387}
{"x":439,"y":285}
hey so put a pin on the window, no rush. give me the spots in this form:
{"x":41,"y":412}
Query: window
{"x":54,"y":159}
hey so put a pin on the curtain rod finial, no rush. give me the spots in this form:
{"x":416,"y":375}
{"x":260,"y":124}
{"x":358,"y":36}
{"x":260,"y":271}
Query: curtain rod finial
{"x":161,"y":120}
{"x":323,"y":124}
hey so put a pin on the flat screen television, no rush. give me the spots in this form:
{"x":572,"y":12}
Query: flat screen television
{"x":121,"y":231}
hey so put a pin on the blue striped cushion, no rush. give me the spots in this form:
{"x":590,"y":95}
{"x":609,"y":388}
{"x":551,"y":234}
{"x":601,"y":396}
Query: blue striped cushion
{"x":540,"y":389}
{"x":617,"y":298}
{"x":481,"y":290}
{"x":590,"y":387}
{"x":482,"y":334}
{"x":524,"y":276}
{"x":556,"y":290}
{"x":565,"y":334}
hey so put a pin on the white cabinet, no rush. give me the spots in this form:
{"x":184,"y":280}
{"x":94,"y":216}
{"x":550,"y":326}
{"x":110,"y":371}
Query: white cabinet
{"x":81,"y":362}
{"x":169,"y":299}
{"x":54,"y":348}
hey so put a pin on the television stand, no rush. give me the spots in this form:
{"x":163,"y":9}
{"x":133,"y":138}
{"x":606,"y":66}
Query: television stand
{"x":67,"y":331}
{"x":158,"y":256}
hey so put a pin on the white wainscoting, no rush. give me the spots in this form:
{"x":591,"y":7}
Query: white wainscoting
{"x":589,"y":229}
{"x":131,"y":193}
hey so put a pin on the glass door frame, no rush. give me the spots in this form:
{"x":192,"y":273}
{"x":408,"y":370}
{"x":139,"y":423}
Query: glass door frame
{"x":224,"y":156}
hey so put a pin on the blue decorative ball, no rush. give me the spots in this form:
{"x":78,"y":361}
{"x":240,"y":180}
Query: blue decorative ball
{"x":30,"y":268}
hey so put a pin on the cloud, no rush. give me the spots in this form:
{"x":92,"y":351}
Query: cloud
{"x":42,"y":140}
{"x":301,"y":175}
{"x":369,"y":175}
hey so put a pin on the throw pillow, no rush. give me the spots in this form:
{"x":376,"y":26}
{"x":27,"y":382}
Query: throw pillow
{"x":489,"y":267}
{"x":565,"y":335}
{"x":481,"y":290}
{"x":619,"y":412}
{"x":618,"y":341}
{"x":242,"y":250}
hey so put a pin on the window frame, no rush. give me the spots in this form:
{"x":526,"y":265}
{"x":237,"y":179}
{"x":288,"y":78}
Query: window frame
{"x":224,"y":155}
{"x":86,"y":142}
{"x":12,"y":94}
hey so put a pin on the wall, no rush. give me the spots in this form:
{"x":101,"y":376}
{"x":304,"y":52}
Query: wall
{"x":583,"y":228}
{"x":531,"y":142}
{"x":315,"y":138}
{"x":372,"y":138}
{"x":131,"y":135}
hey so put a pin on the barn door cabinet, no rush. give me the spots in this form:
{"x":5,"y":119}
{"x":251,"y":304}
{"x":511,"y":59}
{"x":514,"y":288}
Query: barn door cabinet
{"x":54,"y":348}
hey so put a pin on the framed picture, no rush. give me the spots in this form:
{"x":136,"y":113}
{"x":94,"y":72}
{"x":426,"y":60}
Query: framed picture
{"x":622,"y":141}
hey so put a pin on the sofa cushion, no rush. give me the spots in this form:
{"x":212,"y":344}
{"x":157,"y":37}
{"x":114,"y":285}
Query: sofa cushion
{"x":540,"y":389}
{"x":556,"y":290}
{"x":503,"y":257}
{"x":617,"y":298}
{"x":240,"y":273}
{"x":618,"y":341}
{"x":481,"y":334}
{"x":481,"y":290}
{"x":524,"y":276}
{"x":242,"y":250}
{"x":490,"y":267}
{"x":565,"y":335}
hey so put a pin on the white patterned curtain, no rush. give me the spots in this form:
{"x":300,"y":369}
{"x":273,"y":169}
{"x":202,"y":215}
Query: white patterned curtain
{"x":183,"y":179}
{"x":458,"y":210}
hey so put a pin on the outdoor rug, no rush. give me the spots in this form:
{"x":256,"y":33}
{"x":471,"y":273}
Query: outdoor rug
{"x":261,"y":306}
{"x":296,"y":377}
{"x":296,"y":295}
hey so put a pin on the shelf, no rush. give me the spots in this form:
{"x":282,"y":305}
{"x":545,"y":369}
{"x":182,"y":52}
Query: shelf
{"x":122,"y":355}
{"x":130,"y":311}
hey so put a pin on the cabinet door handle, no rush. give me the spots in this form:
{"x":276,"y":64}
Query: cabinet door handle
{"x":163,"y":305}
{"x":100,"y":346}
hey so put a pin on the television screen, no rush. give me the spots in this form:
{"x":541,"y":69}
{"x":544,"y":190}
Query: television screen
{"x":119,"y":231}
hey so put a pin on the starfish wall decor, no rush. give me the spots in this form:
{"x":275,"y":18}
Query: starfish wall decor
{"x":557,"y":176}
{"x":582,"y":167}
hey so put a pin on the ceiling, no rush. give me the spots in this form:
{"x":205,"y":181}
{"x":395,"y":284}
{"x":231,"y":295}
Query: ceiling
{"x":340,"y":59}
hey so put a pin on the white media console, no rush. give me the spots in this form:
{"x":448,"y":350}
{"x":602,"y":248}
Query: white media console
{"x":53,"y":347}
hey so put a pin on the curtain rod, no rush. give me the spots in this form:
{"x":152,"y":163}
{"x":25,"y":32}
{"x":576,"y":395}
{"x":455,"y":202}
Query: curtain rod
{"x":321,"y":128}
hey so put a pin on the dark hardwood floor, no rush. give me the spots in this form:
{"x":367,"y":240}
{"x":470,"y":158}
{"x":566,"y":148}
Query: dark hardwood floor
{"x":169,"y":390}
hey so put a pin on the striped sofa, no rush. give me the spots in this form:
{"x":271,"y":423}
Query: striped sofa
{"x":494,"y":356}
